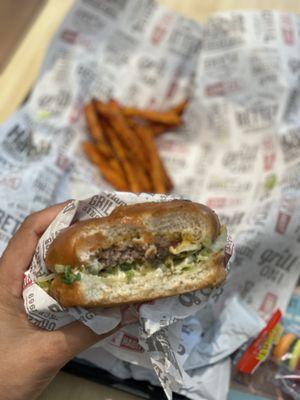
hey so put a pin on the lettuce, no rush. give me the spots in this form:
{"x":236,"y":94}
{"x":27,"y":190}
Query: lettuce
{"x":45,"y":285}
{"x":129,"y":275}
{"x":59,"y":268}
{"x":221,"y":240}
{"x":69,"y":277}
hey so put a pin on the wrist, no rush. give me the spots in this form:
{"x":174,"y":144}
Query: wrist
{"x":36,"y":365}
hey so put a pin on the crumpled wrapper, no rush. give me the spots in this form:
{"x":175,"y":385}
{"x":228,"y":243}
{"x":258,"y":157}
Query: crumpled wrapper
{"x":155,"y":339}
{"x":206,"y":338}
{"x":238,"y":150}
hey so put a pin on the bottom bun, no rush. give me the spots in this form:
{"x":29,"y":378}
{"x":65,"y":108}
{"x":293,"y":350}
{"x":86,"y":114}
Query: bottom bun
{"x":90,"y":291}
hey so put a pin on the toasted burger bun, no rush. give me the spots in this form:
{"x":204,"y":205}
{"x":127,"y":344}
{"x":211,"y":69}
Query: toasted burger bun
{"x":138,"y":253}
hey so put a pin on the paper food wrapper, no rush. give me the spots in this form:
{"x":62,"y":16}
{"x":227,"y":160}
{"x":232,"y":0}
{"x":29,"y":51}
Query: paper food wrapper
{"x":238,"y":150}
{"x":208,"y":383}
{"x":155,"y":339}
{"x":206,"y":339}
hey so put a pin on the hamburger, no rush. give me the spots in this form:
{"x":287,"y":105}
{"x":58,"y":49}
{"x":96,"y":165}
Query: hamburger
{"x":138,"y":253}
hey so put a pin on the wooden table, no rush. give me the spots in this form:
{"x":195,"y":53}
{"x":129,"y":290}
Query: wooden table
{"x":19,"y":76}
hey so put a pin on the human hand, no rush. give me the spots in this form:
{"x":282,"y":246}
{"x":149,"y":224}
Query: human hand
{"x":31,"y":357}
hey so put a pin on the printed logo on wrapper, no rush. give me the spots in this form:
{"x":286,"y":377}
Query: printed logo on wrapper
{"x":222,"y":88}
{"x":275,"y":264}
{"x":84,"y":315}
{"x":129,"y":342}
{"x":224,"y":32}
{"x":74,"y":38}
{"x":189,"y":299}
{"x":19,"y":144}
{"x":164,"y":361}
{"x":181,"y":349}
{"x":227,"y":202}
{"x":184,"y":41}
{"x":141,"y":15}
{"x":27,"y":282}
{"x":290,"y":142}
{"x":51,"y":317}
{"x":287,"y":29}
{"x":285,"y":213}
{"x":221,"y":65}
{"x":108,"y":8}
{"x":256,"y":118}
{"x":268,"y":304}
{"x":269,"y":153}
{"x":161,"y":29}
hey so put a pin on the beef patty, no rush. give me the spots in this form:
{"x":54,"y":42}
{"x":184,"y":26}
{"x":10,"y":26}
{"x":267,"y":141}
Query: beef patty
{"x":138,"y":251}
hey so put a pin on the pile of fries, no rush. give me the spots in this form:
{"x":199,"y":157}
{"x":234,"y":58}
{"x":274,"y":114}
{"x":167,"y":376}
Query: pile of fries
{"x":123,"y":144}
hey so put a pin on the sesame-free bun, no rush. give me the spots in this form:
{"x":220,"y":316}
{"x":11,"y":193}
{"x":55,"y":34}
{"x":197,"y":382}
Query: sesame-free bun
{"x":148,"y":224}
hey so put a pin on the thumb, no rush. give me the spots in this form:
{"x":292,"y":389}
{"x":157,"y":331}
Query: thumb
{"x":75,"y":338}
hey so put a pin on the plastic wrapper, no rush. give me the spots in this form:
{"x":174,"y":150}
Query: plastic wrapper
{"x":273,"y":380}
{"x":287,"y":353}
{"x":275,"y":375}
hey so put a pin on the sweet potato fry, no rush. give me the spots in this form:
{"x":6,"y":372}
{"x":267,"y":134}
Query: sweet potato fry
{"x":104,"y":149}
{"x":135,"y":126}
{"x":160,"y":179}
{"x":120,"y":153}
{"x":158,"y":129}
{"x":180,"y":107}
{"x":120,"y":125}
{"x":137,"y":169}
{"x":107,"y":172}
{"x":96,"y":129}
{"x":140,"y":131}
{"x":113,"y":159}
{"x":168,"y":117}
{"x":103,"y":108}
{"x":125,"y":150}
{"x":93,"y":122}
{"x":115,"y":165}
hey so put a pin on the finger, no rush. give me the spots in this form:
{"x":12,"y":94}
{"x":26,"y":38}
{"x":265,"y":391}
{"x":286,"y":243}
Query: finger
{"x":75,"y":338}
{"x":19,"y":252}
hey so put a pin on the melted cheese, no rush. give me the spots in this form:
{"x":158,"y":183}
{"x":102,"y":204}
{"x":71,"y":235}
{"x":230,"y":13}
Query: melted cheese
{"x":184,"y":246}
